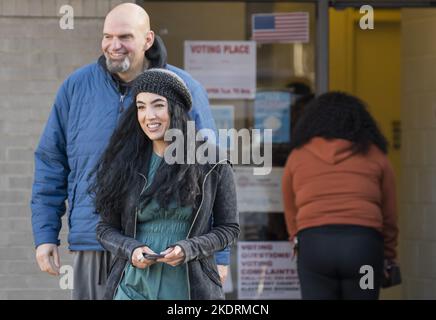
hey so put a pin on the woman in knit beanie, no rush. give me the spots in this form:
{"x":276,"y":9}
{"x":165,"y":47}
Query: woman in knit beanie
{"x":155,"y":216}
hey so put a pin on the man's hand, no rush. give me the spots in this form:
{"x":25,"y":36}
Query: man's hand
{"x":138,"y":259}
{"x":47,"y":256}
{"x":223,"y":270}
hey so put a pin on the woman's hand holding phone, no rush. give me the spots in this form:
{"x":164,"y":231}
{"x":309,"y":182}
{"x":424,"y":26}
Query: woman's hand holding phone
{"x":138,"y":259}
{"x":153,"y":256}
{"x":173,"y":256}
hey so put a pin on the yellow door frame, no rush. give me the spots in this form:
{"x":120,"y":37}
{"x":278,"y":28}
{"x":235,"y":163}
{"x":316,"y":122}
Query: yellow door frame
{"x":342,"y":24}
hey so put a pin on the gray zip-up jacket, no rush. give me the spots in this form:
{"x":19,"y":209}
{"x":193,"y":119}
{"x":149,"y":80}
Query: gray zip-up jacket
{"x":117,"y":234}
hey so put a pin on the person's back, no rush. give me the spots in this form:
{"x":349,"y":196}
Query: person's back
{"x":334,"y":185}
{"x":339,"y":198}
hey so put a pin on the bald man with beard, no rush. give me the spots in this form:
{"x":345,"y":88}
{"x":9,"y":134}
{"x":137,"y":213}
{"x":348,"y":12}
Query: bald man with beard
{"x":86,"y":111}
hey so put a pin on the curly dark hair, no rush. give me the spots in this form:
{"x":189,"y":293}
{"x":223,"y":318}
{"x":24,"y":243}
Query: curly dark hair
{"x":117,"y":174}
{"x":337,"y":115}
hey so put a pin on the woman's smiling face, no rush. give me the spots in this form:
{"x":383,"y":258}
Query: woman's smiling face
{"x":153,"y":115}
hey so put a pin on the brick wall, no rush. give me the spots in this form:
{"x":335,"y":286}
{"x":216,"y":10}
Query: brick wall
{"x":418,"y":196}
{"x":36,"y":55}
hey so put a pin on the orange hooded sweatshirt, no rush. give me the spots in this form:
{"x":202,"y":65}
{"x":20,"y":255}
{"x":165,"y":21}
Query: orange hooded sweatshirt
{"x":325,"y":182}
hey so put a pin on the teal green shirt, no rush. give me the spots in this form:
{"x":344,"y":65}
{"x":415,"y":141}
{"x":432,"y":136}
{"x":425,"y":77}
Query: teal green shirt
{"x":158,"y":228}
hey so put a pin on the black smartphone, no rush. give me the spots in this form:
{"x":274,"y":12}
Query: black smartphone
{"x":152,"y":256}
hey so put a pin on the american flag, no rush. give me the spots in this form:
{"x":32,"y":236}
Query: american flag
{"x":281,"y":27}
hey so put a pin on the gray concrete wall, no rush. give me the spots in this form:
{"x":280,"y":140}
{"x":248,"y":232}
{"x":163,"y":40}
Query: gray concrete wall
{"x":36,"y":55}
{"x":418,"y":116}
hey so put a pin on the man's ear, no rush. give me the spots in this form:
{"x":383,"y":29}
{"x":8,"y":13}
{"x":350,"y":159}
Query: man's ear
{"x":149,"y":40}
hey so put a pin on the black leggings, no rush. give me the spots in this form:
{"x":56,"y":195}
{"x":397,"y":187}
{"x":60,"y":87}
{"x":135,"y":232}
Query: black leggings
{"x":330,"y":258}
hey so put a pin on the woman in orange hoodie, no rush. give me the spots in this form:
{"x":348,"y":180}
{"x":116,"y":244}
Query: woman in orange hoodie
{"x":339,"y":199}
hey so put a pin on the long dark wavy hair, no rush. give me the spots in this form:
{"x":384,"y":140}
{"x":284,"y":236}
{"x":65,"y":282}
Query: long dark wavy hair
{"x":337,"y":115}
{"x":118,"y":172}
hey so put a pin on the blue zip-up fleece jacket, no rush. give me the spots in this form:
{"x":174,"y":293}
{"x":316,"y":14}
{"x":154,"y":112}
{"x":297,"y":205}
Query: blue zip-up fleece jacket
{"x":86,"y":111}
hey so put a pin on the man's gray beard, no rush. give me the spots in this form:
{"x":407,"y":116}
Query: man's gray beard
{"x":116,"y":67}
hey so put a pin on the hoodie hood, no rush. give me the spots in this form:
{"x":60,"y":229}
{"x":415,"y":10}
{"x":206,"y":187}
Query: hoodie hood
{"x":157,"y":54}
{"x":332,"y":151}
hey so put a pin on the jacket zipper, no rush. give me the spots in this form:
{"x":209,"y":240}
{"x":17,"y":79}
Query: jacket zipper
{"x":121,"y":106}
{"x":195,"y":218}
{"x":202,"y":198}
{"x":136,"y":208}
{"x":134,"y":236}
{"x":136,"y":219}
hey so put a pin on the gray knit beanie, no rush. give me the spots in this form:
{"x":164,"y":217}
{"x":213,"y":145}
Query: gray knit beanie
{"x":164,"y":83}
